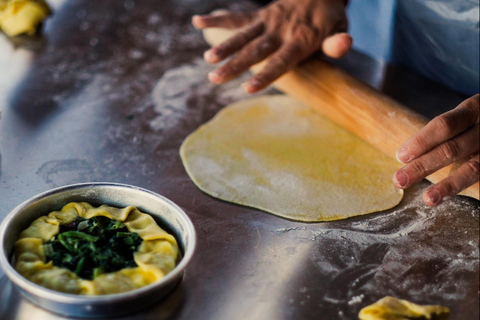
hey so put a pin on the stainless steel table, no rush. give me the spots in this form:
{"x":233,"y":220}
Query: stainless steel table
{"x":110,"y":91}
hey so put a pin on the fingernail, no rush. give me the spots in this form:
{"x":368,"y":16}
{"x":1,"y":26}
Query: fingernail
{"x":254,"y":83}
{"x":433,"y":196}
{"x":401,"y":178}
{"x":403,"y":155}
{"x":195,"y":20}
{"x":247,"y":87}
{"x":209,"y":55}
{"x":251,"y":85}
{"x":215,"y":76}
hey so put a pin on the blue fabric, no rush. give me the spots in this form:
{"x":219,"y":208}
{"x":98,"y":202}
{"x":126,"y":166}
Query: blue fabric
{"x":370,"y":22}
{"x":436,"y":38}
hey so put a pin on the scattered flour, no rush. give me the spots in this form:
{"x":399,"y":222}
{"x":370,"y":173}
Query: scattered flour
{"x":356,"y":299}
{"x":412,"y":249}
{"x":182,"y":90}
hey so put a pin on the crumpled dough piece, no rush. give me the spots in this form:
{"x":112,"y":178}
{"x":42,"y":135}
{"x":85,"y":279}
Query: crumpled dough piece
{"x":275,"y":154}
{"x":156,"y":256}
{"x":22,"y":16}
{"x":390,"y":308}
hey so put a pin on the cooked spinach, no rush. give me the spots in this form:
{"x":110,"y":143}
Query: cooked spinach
{"x":91,"y":247}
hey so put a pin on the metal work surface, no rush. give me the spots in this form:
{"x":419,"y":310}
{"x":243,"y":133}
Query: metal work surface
{"x":110,"y":91}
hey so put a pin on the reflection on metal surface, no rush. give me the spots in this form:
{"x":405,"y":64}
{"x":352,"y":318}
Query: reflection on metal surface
{"x":14,"y":64}
{"x":26,"y":309}
{"x":248,"y":298}
{"x":14,"y":307}
{"x":16,"y":56}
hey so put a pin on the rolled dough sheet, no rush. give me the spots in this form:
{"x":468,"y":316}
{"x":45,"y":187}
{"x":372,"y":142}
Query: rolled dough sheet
{"x":275,"y":154}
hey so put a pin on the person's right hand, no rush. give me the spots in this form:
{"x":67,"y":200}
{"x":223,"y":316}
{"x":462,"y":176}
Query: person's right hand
{"x":448,"y":138}
{"x":286,"y":30}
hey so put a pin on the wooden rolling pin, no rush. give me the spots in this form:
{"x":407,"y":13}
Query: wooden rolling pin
{"x":359,"y":108}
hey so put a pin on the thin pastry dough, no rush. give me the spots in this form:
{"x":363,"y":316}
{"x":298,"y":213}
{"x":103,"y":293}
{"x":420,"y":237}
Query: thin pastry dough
{"x":275,"y":154}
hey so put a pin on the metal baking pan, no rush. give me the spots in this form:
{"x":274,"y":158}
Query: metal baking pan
{"x":167,"y":214}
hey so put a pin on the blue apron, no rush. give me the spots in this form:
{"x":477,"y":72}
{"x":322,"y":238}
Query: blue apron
{"x":438,"y":39}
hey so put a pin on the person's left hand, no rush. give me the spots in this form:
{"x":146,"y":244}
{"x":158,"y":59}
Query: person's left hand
{"x":286,"y":31}
{"x":450,"y":137}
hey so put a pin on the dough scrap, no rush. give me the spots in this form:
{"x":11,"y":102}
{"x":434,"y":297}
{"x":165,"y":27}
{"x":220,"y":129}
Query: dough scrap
{"x":390,"y":308}
{"x":275,"y":154}
{"x":22,"y":16}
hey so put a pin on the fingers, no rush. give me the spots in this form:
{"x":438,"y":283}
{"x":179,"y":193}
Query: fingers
{"x":280,"y":62}
{"x":252,"y":53}
{"x":225,"y":19}
{"x":465,"y":176}
{"x":337,"y":45}
{"x":440,"y":129}
{"x":233,"y":44}
{"x":444,"y":154}
{"x":444,"y":140}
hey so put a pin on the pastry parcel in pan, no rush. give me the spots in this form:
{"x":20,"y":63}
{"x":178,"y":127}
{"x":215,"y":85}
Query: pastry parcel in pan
{"x":89,"y":250}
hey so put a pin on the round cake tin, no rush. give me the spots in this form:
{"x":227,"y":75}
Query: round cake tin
{"x":166,"y":213}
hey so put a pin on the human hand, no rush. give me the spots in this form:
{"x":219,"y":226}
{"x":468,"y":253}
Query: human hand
{"x":287,"y":30}
{"x":450,"y":137}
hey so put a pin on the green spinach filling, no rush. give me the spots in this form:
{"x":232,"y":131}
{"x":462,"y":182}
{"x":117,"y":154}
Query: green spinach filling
{"x":91,"y":247}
